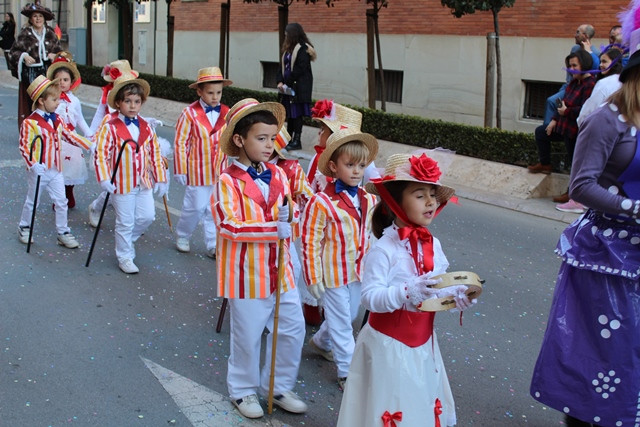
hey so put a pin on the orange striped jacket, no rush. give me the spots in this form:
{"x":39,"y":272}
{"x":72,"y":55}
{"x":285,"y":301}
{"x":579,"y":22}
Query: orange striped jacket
{"x":247,"y":249}
{"x":196,"y":150}
{"x":335,"y":237}
{"x":299,"y":187}
{"x":142,"y":168}
{"x":35,"y":125}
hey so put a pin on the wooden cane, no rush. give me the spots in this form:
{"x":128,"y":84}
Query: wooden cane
{"x":223,"y":309}
{"x":106,"y":199}
{"x":166,"y":209}
{"x":35,"y":198}
{"x":281,"y":270}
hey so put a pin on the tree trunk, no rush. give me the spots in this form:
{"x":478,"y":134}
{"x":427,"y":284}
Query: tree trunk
{"x":127,"y":31}
{"x":283,"y":20}
{"x":383,"y":105}
{"x":499,"y":71}
{"x":89,"y":47}
{"x":224,"y":32}
{"x":170,"y":26}
{"x":371,"y":62}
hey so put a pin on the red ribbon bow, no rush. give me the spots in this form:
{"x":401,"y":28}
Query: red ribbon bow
{"x":105,"y":91}
{"x":437,"y":411}
{"x":65,"y":97}
{"x":419,"y":236}
{"x":322,"y":109}
{"x":390,"y":419}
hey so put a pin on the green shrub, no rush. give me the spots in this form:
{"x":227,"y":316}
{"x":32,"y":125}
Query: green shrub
{"x":492,"y":144}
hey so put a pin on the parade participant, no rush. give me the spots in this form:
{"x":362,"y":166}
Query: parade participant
{"x":335,"y":236}
{"x":397,"y":372}
{"x":197,"y":159}
{"x":140,"y":168}
{"x":45,"y":129}
{"x":103,"y":114}
{"x":248,"y":209}
{"x":588,"y":366}
{"x":35,"y":47}
{"x":70,"y":110}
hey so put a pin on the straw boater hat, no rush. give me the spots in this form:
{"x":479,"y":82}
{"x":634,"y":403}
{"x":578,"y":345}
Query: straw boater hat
{"x":64,"y":59}
{"x":282,"y":139}
{"x":242,"y":109}
{"x":341,"y":137}
{"x":336,"y":116}
{"x":125,"y":79}
{"x":35,"y":7}
{"x":416,"y":167}
{"x":115,"y":69}
{"x":37,"y":88}
{"x":210,"y":75}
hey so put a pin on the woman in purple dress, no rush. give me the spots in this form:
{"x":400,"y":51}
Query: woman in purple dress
{"x":589,"y":363}
{"x":295,"y":80}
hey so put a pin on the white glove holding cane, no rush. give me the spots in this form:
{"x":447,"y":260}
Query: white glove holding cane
{"x":38,"y":168}
{"x":284,"y":228}
{"x":107,"y":186}
{"x":160,"y":188}
{"x":419,"y":289}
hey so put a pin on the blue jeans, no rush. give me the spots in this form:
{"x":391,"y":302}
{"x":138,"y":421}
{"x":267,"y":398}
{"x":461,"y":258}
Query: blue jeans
{"x":551,"y":107}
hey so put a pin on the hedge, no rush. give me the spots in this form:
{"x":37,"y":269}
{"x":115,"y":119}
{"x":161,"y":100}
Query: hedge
{"x":492,"y":144}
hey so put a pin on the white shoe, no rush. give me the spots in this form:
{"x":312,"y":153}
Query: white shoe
{"x":249,"y":406}
{"x":127,"y":266}
{"x":211,"y":253}
{"x":326,"y":354}
{"x":289,"y":401}
{"x":94,"y":216}
{"x":23,"y":235}
{"x":182,"y":244}
{"x":68,"y":240}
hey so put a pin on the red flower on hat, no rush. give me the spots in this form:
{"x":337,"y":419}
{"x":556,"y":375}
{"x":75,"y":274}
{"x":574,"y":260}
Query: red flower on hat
{"x":322,"y":109}
{"x":105,"y":70}
{"x":424,"y":168}
{"x":114,"y":73}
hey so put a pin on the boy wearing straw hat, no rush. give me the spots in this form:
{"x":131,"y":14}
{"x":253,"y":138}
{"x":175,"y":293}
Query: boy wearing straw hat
{"x":333,"y":117}
{"x":248,"y":208}
{"x":197,"y":159}
{"x":128,"y":145}
{"x":43,"y":159}
{"x":335,"y":236}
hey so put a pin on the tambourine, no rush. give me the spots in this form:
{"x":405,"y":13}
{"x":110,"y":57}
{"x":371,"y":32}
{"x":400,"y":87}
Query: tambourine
{"x":467,"y":278}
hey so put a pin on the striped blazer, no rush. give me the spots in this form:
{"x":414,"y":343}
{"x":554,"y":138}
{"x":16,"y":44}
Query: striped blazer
{"x":299,"y":187}
{"x":35,"y":125}
{"x":143,"y":168}
{"x":196,"y":150}
{"x":247,"y":249}
{"x":335,"y":237}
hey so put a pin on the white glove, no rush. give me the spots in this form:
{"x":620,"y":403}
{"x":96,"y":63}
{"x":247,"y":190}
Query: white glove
{"x":316,"y":290}
{"x":107,"y":186}
{"x":283,"y":213}
{"x":419,"y":289}
{"x":284,"y":230}
{"x":160,"y":189}
{"x":154,"y":122}
{"x":459,"y":296}
{"x":182,"y":179}
{"x":38,"y":168}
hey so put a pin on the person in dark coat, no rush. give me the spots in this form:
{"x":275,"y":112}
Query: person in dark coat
{"x":295,"y":80}
{"x":8,"y":31}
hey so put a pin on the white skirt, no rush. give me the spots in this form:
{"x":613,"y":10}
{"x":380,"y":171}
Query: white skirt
{"x":388,"y":376}
{"x":74,"y":166}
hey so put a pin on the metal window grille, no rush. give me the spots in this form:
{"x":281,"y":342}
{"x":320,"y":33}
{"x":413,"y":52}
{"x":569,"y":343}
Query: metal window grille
{"x":393,"y":80}
{"x":269,"y":74}
{"x":535,"y":97}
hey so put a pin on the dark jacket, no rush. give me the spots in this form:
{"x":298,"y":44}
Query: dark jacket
{"x":301,"y":78}
{"x":27,"y":42}
{"x":8,"y":34}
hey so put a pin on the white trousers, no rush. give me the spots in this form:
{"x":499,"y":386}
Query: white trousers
{"x":97,"y":204}
{"x":249,"y":317}
{"x":336,"y":332}
{"x":53,"y":181}
{"x":197,"y":206}
{"x":135,"y":212}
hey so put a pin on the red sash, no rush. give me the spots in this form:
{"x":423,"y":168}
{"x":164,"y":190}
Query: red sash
{"x":411,"y":328}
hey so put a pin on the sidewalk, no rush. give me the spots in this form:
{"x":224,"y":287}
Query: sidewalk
{"x":507,"y":186}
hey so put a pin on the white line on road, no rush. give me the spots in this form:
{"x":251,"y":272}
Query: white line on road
{"x":201,"y":405}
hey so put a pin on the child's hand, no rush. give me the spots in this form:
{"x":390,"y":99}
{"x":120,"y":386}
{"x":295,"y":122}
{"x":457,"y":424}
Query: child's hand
{"x":160,"y":188}
{"x":316,"y":290}
{"x":38,"y":168}
{"x":107,"y":186}
{"x":419,"y":289}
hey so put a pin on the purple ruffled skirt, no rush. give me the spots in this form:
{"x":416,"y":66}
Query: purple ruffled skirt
{"x":589,"y":363}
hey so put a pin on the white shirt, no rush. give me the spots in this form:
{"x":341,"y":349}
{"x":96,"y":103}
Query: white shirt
{"x":603,"y":89}
{"x":211,"y":115}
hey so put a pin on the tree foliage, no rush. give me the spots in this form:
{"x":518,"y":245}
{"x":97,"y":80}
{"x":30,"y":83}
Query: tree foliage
{"x":287,"y":3}
{"x":460,"y":8}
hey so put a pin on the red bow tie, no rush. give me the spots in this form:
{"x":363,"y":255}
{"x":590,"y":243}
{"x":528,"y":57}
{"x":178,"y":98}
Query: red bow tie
{"x":390,"y":419}
{"x":422,"y":236}
{"x":64,"y":96}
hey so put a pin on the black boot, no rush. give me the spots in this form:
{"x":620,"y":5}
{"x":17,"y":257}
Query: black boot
{"x":296,"y":133}
{"x":574,"y":422}
{"x":295,"y":143}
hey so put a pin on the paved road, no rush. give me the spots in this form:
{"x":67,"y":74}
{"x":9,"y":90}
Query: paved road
{"x":93,"y":346}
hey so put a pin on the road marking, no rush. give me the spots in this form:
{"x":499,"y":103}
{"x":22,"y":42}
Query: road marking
{"x":173,"y":211}
{"x":12,"y":163}
{"x":201,"y":405}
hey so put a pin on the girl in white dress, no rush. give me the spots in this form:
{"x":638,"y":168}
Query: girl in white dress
{"x":74,"y":165}
{"x":397,"y":376}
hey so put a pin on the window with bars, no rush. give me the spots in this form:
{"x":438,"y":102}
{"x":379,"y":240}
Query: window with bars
{"x":392,"y":84}
{"x":270,"y":74}
{"x":535,"y":97}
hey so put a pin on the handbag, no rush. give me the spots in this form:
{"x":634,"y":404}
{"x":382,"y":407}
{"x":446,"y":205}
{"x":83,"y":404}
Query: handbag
{"x":29,"y":74}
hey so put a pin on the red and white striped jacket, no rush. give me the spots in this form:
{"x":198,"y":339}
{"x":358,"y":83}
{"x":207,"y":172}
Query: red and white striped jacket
{"x":196,"y":150}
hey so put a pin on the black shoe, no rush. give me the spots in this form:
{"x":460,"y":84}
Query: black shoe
{"x":294,"y":145}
